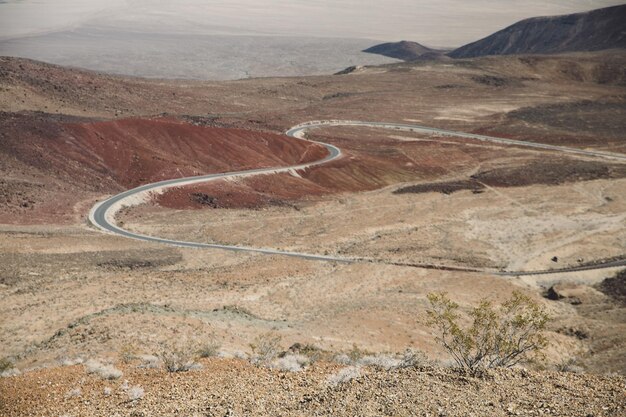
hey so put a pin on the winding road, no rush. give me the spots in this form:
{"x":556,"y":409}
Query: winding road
{"x":102,"y":215}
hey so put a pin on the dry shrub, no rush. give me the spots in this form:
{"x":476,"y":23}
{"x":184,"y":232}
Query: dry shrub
{"x":570,"y":365}
{"x":179,"y":356}
{"x":135,"y":393}
{"x":409,"y":359}
{"x":344,"y":375}
{"x":210,"y":348}
{"x":105,"y":371}
{"x":266,"y":348}
{"x":5,"y":364}
{"x":290,"y":363}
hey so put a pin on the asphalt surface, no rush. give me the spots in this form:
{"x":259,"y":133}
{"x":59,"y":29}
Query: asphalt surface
{"x":102,"y":215}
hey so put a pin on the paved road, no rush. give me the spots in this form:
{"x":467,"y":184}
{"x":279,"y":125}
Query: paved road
{"x":102,"y":215}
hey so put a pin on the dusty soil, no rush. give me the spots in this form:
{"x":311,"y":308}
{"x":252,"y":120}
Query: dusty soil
{"x":236,"y":388}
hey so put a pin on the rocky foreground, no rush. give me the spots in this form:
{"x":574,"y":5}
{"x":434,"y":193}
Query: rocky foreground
{"x":229,"y":387}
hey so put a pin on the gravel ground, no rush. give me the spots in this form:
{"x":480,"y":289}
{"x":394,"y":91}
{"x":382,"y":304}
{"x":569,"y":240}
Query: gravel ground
{"x":225,"y":387}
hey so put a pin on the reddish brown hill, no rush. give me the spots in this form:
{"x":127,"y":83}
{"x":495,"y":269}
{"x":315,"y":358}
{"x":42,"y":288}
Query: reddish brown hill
{"x":51,"y":163}
{"x":138,"y":151}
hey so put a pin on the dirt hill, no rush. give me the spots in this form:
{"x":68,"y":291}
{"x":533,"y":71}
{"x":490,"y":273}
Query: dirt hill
{"x":592,"y":31}
{"x":52,"y":162}
{"x":405,"y":50}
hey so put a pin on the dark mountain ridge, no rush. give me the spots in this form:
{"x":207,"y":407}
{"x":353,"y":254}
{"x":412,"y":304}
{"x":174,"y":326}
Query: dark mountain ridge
{"x":590,"y":31}
{"x":405,"y":50}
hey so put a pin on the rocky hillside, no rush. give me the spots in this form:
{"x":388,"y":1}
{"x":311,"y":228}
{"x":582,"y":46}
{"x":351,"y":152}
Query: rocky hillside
{"x":226,"y":387}
{"x":592,"y":31}
{"x":406,"y":51}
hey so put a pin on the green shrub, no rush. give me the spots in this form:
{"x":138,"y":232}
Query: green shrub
{"x":497,"y":337}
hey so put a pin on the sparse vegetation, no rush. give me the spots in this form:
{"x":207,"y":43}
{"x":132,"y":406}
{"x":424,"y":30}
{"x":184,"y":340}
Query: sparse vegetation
{"x":210,"y":348}
{"x":71,"y":362}
{"x":69,"y":291}
{"x":312,"y":352}
{"x":344,"y":375}
{"x":179,"y":356}
{"x":135,"y":393}
{"x":388,"y":361}
{"x":5,"y":364}
{"x":383,"y":361}
{"x":497,"y":337}
{"x":7,"y":368}
{"x":570,"y":365}
{"x":149,"y":362}
{"x":290,"y":363}
{"x":265,"y":348}
{"x":105,"y":371}
{"x":412,"y":358}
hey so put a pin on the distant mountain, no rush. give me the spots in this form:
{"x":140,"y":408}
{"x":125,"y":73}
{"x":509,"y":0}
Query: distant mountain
{"x":591,"y":31}
{"x":405,"y":50}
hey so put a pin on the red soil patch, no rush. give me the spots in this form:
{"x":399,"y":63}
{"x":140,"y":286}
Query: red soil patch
{"x":369,"y":162}
{"x":50,"y":164}
{"x":139,"y":151}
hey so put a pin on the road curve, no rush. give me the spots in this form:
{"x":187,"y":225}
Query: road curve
{"x":102,"y":215}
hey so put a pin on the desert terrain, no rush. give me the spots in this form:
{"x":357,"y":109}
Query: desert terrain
{"x":417,"y":212}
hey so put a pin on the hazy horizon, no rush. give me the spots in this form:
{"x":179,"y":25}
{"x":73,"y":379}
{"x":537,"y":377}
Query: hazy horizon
{"x":443,"y":23}
{"x":220,"y":39}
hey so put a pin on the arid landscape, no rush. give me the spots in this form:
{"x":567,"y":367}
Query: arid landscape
{"x":87,"y":318}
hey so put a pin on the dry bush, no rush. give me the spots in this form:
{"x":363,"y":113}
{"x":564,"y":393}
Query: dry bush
{"x":179,"y":356}
{"x":570,"y":365}
{"x":149,"y":362}
{"x":409,"y":359}
{"x":71,"y":362}
{"x":135,"y":393}
{"x":343,"y":359}
{"x":382,"y":361}
{"x":105,"y":371}
{"x":412,"y":358}
{"x":210,"y":348}
{"x":5,"y":364}
{"x":344,"y":375}
{"x":353,"y":356}
{"x":498,"y":337}
{"x":356,"y":353}
{"x":266,"y":348}
{"x":312,"y":352}
{"x":290,"y":363}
